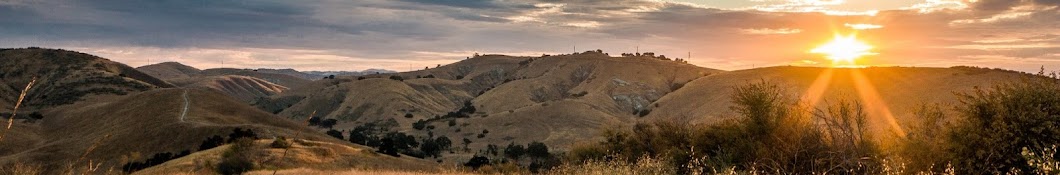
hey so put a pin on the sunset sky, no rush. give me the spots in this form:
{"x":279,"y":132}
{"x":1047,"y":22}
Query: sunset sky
{"x":398,"y":34}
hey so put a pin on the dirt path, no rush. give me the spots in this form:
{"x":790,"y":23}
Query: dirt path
{"x":187,"y":103}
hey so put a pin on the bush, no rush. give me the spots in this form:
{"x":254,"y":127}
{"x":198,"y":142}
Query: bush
{"x":772,"y":134}
{"x":398,"y":78}
{"x":236,"y":159}
{"x":514,"y":151}
{"x":280,"y":142}
{"x":996,"y":124}
{"x":334,"y":133}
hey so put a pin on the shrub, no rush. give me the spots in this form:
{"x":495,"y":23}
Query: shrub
{"x":398,"y":78}
{"x":996,"y":124}
{"x":334,"y":133}
{"x":514,"y":151}
{"x":477,"y":161}
{"x":537,"y":150}
{"x":236,"y":159}
{"x":280,"y":142}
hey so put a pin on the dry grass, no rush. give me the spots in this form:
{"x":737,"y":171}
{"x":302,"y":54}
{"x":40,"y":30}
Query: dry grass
{"x":305,"y":171}
{"x":14,"y":112}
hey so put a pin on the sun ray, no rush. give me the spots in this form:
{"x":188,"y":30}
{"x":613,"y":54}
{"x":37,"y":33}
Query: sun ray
{"x":875,"y":105}
{"x":816,"y":90}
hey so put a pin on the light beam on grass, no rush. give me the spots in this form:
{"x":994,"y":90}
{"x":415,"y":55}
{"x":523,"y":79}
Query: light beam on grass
{"x":875,"y":104}
{"x":816,"y":90}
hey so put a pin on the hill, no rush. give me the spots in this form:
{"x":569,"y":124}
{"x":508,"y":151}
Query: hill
{"x":148,"y":128}
{"x":243,"y":84}
{"x":275,"y":78}
{"x":244,"y":88}
{"x":901,"y":90}
{"x":65,"y":77}
{"x":495,"y":99}
{"x":169,"y":70}
{"x":564,"y":99}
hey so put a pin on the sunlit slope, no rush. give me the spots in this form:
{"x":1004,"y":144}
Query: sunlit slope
{"x":554,"y":99}
{"x":302,"y":155}
{"x":240,"y":87}
{"x":901,"y":89}
{"x":243,"y":84}
{"x":140,"y":124}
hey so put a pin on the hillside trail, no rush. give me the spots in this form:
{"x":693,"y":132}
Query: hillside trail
{"x":184,"y":112}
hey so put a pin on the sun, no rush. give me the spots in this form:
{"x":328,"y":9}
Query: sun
{"x":844,"y":49}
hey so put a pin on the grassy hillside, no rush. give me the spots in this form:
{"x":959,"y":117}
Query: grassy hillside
{"x":902,"y":89}
{"x":65,"y":77}
{"x":244,"y":88}
{"x":554,"y":99}
{"x":135,"y":127}
{"x":169,"y":70}
{"x":275,"y":78}
{"x":303,"y":154}
{"x":243,"y":84}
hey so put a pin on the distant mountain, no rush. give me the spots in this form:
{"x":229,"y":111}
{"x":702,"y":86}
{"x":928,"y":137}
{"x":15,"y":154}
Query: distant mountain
{"x":244,"y":88}
{"x":65,"y":77}
{"x":349,"y":73}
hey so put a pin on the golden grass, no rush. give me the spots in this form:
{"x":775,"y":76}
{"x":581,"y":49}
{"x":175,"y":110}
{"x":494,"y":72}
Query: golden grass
{"x":305,"y":171}
{"x":298,"y":134}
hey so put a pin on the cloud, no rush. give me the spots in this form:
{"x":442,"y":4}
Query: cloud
{"x":355,"y":35}
{"x":862,"y":26}
{"x":768,"y":31}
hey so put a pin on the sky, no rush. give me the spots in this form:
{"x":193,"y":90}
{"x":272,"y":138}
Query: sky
{"x":404,"y":35}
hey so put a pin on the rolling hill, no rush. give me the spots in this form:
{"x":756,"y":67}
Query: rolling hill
{"x":244,"y":88}
{"x":564,"y":99}
{"x":64,"y":77}
{"x":558,"y":100}
{"x":141,"y":121}
{"x":243,"y":84}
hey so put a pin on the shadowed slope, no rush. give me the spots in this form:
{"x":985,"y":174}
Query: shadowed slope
{"x":66,"y":77}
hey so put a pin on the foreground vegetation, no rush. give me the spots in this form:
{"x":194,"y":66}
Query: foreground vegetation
{"x":1010,"y":128}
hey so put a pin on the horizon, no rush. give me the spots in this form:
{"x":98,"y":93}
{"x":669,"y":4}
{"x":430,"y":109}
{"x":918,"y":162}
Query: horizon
{"x":410,"y":34}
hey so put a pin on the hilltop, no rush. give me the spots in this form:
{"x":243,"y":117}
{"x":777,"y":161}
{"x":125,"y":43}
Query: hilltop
{"x":65,"y":77}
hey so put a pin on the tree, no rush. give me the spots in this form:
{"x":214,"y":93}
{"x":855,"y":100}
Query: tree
{"x":443,"y":142}
{"x":514,"y":151}
{"x":466,"y":142}
{"x":419,"y":124}
{"x":537,"y":150}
